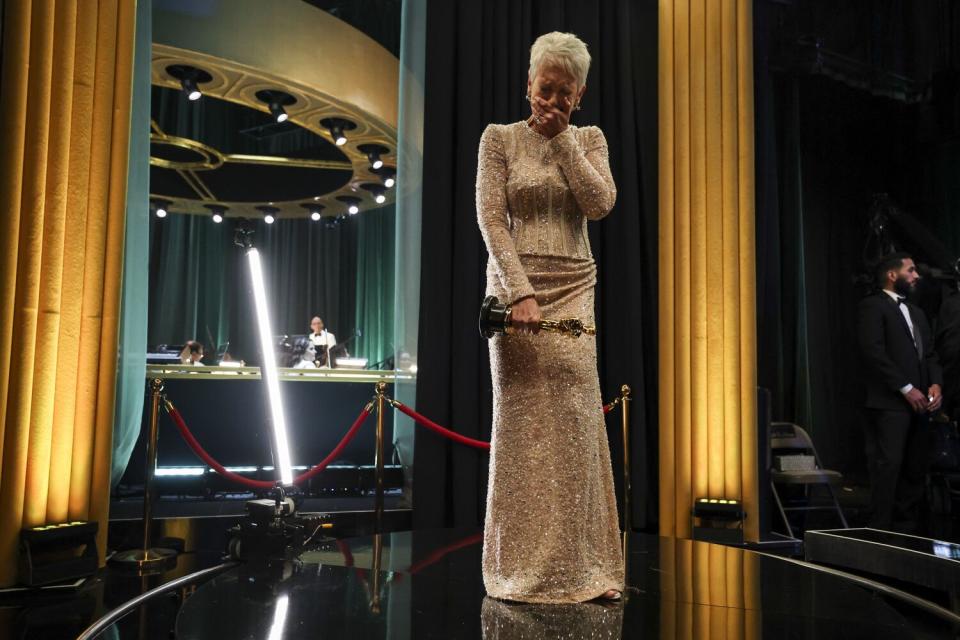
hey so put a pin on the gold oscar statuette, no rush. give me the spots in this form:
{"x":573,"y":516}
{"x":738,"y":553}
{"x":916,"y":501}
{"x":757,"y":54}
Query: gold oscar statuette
{"x":495,"y":318}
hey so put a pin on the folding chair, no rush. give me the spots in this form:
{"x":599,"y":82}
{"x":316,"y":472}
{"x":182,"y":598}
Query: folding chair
{"x":796,"y":463}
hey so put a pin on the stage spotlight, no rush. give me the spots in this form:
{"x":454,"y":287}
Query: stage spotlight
{"x":190,"y":79}
{"x":388,"y":175}
{"x":276,"y":100}
{"x":216,"y":212}
{"x":338,"y":128}
{"x":314,"y":210}
{"x":189,"y":86}
{"x":374,"y":151}
{"x":160,"y":207}
{"x":353,"y":204}
{"x":377,"y":191}
{"x":268,"y":368}
{"x":269,"y":213}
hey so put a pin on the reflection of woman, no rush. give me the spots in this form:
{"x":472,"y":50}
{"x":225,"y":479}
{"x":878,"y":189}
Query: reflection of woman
{"x":551,"y":531}
{"x":581,"y":621}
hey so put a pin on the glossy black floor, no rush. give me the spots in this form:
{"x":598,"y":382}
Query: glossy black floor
{"x":427,"y":584}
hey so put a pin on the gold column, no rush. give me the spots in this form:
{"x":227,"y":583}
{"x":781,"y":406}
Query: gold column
{"x":707,"y":259}
{"x":65,"y":104}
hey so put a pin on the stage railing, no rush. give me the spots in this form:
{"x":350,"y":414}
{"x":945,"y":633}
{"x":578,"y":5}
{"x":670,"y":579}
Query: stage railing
{"x":376,"y":405}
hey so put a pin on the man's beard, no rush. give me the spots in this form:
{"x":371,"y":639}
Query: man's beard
{"x":902,"y":288}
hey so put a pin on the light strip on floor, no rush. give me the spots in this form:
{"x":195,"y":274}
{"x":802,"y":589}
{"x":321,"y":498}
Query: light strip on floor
{"x":279,"y":618}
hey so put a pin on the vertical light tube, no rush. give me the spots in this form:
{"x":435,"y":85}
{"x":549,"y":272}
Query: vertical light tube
{"x":268,"y":369}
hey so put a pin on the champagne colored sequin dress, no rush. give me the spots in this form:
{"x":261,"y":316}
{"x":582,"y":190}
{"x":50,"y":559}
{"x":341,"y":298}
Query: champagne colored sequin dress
{"x":551,"y":532}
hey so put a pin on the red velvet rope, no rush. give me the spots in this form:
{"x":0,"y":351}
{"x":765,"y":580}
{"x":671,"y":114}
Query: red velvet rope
{"x":265,"y":484}
{"x":420,"y":565}
{"x":261,"y":484}
{"x":433,"y":426}
{"x":453,"y":435}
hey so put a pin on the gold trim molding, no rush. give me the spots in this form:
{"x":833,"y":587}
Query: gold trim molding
{"x":331,"y":68}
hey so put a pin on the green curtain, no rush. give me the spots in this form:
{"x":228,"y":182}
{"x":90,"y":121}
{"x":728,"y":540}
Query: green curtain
{"x":375,"y":285}
{"x":200,"y":287}
{"x":133,"y":311}
{"x":192,"y":268}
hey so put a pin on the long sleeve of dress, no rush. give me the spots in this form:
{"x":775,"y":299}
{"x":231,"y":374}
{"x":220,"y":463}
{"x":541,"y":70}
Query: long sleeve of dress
{"x":493,"y":216}
{"x":587,"y":169}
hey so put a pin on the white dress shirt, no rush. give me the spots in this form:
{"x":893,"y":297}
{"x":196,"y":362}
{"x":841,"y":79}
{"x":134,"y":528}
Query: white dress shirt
{"x":324,"y":339}
{"x":905,"y":389}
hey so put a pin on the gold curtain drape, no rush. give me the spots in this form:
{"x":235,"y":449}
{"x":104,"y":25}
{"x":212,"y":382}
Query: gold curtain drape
{"x":707,"y":272}
{"x":708,"y":591}
{"x":65,"y":107}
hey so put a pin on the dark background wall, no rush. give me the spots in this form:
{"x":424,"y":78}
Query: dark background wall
{"x":854,"y":98}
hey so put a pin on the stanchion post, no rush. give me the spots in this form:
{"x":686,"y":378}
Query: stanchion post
{"x":148,"y":557}
{"x":375,"y":570}
{"x":625,"y":401}
{"x":378,"y":459}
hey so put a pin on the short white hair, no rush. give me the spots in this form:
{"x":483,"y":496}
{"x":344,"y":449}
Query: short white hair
{"x":563,"y":50}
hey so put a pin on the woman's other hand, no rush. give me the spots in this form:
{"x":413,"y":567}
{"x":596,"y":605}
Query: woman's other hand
{"x":525,"y":316}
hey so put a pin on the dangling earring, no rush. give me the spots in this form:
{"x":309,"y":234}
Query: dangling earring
{"x":576,"y":107}
{"x":528,"y":97}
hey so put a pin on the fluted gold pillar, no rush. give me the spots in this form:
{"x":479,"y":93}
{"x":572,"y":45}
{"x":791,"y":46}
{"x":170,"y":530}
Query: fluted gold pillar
{"x":707,"y":273}
{"x":65,"y":107}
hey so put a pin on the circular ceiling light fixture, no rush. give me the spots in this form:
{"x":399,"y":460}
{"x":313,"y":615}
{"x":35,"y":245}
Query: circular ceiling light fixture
{"x":314,"y":210}
{"x":376,"y":190}
{"x":353,"y":204}
{"x":388,"y":175}
{"x":276,"y":100}
{"x":217,"y":212}
{"x":374,"y":153}
{"x":269,"y":213}
{"x":338,"y":128}
{"x":190,"y":79}
{"x":160,"y":207}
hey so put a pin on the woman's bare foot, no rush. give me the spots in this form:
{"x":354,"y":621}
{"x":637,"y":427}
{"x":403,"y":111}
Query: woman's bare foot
{"x":612,"y":594}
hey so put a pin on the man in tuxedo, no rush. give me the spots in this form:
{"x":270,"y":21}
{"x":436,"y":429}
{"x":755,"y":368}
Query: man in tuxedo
{"x":324,"y":341}
{"x":903,"y":380}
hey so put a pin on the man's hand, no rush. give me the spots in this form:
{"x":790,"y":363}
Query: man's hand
{"x":918,"y":401}
{"x":525,"y":315}
{"x":937,"y":398}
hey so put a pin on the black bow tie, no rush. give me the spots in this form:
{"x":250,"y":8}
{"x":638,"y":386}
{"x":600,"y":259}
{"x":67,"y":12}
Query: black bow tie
{"x":901,"y":301}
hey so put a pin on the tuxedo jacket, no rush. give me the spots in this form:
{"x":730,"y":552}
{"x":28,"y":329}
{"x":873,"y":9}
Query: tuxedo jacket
{"x":891,"y":359}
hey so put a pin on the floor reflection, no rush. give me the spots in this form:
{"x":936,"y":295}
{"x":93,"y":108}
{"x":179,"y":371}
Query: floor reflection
{"x":518,"y":621}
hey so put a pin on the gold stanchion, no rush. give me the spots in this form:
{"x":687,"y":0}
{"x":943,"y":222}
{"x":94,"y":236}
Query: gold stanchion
{"x":148,"y":558}
{"x":625,"y":401}
{"x":378,"y":460}
{"x":375,"y":570}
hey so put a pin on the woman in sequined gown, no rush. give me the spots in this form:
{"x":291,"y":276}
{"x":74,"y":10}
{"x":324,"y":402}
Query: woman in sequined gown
{"x":551,"y":533}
